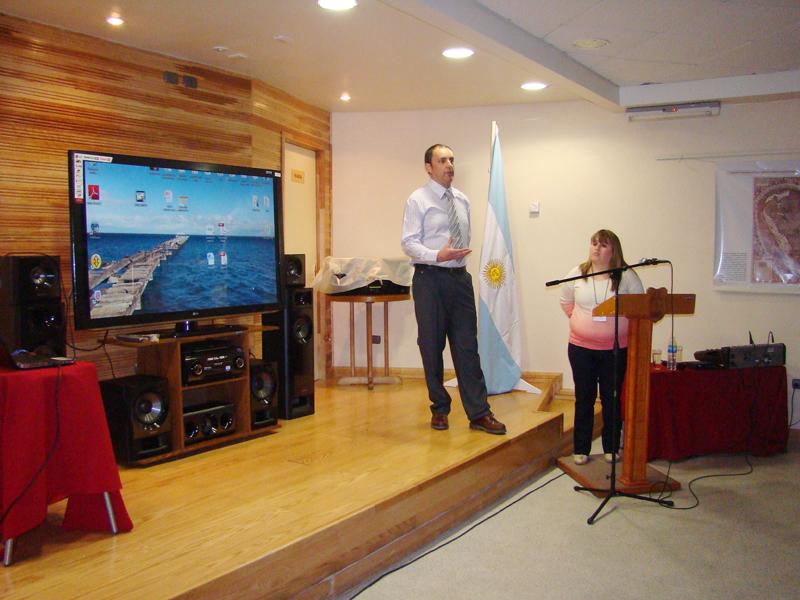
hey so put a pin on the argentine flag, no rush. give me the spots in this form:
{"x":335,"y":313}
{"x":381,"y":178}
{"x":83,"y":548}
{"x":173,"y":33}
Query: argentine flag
{"x":499,"y":326}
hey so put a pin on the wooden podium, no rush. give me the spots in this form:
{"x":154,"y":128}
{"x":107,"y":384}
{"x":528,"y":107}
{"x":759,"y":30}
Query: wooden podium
{"x":641,"y":310}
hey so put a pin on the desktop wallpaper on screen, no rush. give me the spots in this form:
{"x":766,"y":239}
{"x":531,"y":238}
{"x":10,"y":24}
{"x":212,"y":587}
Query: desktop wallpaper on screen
{"x":168,"y":240}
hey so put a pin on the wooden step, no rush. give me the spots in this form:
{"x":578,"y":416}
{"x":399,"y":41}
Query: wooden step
{"x":319,"y":507}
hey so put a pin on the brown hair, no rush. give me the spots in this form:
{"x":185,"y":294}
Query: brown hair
{"x":429,"y":152}
{"x":606,"y":236}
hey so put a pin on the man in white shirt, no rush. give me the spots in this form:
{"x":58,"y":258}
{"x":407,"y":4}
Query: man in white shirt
{"x":436,"y":235}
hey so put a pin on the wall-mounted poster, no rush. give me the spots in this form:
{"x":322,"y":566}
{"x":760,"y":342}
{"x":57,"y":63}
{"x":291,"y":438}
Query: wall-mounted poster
{"x":758,"y":227}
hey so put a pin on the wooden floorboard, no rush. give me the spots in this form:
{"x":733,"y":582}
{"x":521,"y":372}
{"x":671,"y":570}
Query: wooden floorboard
{"x":310,"y":511}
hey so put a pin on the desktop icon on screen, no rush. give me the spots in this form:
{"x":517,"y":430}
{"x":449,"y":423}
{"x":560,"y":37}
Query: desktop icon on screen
{"x":93,"y":191}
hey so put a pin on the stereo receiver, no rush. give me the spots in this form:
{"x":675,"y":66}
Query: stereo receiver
{"x":211,"y":360}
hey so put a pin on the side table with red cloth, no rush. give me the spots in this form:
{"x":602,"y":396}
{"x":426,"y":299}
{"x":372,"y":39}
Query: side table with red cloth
{"x":707,"y":411}
{"x":82,"y":467}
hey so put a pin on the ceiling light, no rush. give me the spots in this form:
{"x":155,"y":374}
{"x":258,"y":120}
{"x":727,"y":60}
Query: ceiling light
{"x":115,"y":20}
{"x":220,"y":48}
{"x":590,"y":43}
{"x":285,"y":38}
{"x":532,"y":86}
{"x":337,"y":4}
{"x":345,"y":97}
{"x":458,"y":52}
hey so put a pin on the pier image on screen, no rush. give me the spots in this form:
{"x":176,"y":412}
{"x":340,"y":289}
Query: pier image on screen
{"x":163,"y":240}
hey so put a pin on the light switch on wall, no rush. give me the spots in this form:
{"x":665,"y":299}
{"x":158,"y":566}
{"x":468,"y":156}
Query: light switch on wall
{"x":533,"y":209}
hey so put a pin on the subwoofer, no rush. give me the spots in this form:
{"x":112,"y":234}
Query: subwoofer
{"x":294,"y":270}
{"x":264,"y":378}
{"x":137,"y":410}
{"x":292,"y":347}
{"x":31,"y":312}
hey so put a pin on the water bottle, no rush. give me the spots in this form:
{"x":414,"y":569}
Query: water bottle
{"x":672,"y":355}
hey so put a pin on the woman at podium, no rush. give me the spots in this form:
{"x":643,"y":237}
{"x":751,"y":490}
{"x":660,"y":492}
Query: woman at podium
{"x":591,"y":342}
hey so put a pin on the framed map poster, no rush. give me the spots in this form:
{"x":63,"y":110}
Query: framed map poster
{"x":758,"y":227}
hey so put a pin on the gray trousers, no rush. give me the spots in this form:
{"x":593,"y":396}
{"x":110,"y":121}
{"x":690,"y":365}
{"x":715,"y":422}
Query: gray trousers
{"x":444,"y":303}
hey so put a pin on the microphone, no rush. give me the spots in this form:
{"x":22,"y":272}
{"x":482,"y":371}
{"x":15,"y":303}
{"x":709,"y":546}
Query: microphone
{"x":652,"y":261}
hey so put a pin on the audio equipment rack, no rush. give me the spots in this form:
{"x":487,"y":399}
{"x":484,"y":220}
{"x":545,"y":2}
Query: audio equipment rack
{"x":163,"y":357}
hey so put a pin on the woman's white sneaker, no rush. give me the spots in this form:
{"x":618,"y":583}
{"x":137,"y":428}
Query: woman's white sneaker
{"x":580,"y":459}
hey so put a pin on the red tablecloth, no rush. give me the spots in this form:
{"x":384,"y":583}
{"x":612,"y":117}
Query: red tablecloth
{"x":83,"y":465}
{"x":695,"y":412}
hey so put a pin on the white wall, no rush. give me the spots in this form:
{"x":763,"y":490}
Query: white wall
{"x":589,"y":169}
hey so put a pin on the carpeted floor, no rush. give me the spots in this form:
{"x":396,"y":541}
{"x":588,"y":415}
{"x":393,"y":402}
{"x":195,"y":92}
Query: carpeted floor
{"x":741,"y":542}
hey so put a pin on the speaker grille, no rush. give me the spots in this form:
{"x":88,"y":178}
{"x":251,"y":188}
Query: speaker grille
{"x":294,"y":270}
{"x":263,"y":386}
{"x":150,"y":410}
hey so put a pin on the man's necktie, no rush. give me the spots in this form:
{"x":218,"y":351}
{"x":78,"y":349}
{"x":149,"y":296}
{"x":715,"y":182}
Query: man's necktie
{"x":452,"y":219}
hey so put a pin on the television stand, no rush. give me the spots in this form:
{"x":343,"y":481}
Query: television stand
{"x":216,"y":402}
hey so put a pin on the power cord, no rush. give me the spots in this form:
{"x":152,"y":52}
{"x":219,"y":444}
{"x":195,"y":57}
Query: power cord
{"x":696,"y":479}
{"x":459,"y":536}
{"x":108,"y":356}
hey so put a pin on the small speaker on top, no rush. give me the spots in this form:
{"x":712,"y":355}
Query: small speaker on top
{"x":294,"y":270}
{"x":29,"y":279}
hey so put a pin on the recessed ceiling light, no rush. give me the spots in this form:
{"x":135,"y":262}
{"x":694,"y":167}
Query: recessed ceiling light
{"x":237,"y":55}
{"x":590,"y":43}
{"x":285,"y":38}
{"x":458,"y":52}
{"x":115,"y":20}
{"x":345,"y":97}
{"x":532,"y":86}
{"x":220,"y":48}
{"x":337,"y":4}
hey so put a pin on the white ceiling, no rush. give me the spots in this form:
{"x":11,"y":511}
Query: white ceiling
{"x":387,"y":53}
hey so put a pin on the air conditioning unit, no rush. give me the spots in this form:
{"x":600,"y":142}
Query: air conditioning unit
{"x":673,"y":111}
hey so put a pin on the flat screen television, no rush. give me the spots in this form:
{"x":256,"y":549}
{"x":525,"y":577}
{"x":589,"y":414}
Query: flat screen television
{"x":157,"y":240}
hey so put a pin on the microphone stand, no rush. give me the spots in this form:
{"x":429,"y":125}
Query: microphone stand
{"x":612,"y":491}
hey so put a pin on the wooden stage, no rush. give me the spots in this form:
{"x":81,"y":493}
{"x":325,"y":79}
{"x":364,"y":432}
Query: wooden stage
{"x":310,"y":511}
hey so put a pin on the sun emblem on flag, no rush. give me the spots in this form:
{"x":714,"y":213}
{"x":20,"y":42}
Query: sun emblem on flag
{"x":494,"y":274}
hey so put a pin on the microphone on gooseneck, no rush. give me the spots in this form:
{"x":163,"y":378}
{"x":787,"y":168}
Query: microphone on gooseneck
{"x":652,"y":261}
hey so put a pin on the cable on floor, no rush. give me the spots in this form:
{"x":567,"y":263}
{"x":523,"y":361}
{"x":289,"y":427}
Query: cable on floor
{"x":696,"y":497}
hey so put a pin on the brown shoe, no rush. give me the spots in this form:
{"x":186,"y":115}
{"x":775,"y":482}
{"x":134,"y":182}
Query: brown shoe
{"x":439,"y":421}
{"x":488,"y":424}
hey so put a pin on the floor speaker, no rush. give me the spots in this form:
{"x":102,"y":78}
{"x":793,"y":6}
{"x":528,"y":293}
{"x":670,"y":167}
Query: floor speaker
{"x":137,"y":410}
{"x":264,"y":378}
{"x":291,"y":345}
{"x":294,"y":270}
{"x":31,"y":312}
